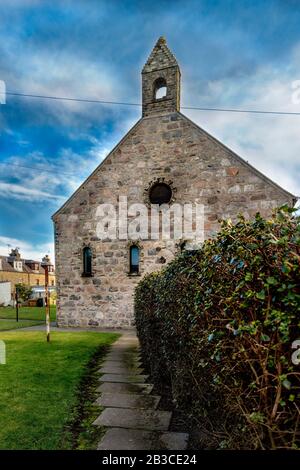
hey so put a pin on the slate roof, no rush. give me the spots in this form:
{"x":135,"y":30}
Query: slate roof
{"x":8,"y":265}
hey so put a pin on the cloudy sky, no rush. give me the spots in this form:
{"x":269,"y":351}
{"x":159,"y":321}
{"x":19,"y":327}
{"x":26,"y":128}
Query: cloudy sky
{"x":232,"y":53}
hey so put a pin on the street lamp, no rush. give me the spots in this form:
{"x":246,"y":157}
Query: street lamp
{"x":17,"y":303}
{"x":45,"y":264}
{"x":17,"y":299}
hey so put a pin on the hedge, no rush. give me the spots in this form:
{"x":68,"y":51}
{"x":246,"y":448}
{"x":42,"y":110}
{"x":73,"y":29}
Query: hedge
{"x":216,"y":328}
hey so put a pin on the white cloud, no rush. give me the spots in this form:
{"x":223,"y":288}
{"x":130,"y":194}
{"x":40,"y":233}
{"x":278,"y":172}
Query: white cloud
{"x":54,"y":179}
{"x":270,"y":143}
{"x":27,"y":250}
{"x":16,"y":191}
{"x":62,"y":73}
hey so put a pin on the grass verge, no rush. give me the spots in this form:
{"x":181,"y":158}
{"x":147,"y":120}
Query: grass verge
{"x":14,"y":325}
{"x":28,"y":313}
{"x":80,"y":434}
{"x":42,"y":389}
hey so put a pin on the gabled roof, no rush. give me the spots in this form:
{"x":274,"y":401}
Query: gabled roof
{"x":161,"y":57}
{"x":7,"y":265}
{"x":232,"y":153}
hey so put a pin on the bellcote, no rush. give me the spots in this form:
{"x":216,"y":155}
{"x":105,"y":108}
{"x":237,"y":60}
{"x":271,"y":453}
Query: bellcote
{"x":160,"y":81}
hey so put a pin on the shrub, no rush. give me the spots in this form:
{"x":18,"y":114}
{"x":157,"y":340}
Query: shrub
{"x":217,"y":325}
{"x":24,"y":291}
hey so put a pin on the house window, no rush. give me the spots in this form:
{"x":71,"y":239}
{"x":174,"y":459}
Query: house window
{"x":87,"y":261}
{"x":160,"y":89}
{"x":134,"y":259}
{"x":18,"y":266}
{"x":52,"y":283}
{"x":37,"y":282}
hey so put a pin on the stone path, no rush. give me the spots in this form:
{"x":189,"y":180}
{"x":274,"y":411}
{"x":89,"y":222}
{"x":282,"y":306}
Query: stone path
{"x":130,"y":411}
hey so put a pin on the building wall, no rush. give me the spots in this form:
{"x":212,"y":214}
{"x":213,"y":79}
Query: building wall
{"x":33,"y":278}
{"x":14,"y":278}
{"x":167,"y":146}
{"x":24,"y":278}
{"x":5,"y":293}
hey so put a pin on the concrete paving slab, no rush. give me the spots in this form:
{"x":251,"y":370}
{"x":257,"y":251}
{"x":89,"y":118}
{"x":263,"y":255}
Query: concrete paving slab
{"x":110,"y":387}
{"x":150,"y":420}
{"x":110,"y":363}
{"x":120,"y":370}
{"x":125,"y":344}
{"x":120,"y":356}
{"x":132,"y":439}
{"x":127,"y":340}
{"x":126,"y":400}
{"x":123,"y":378}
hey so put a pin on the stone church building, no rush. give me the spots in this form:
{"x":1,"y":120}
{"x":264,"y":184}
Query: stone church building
{"x":164,"y":158}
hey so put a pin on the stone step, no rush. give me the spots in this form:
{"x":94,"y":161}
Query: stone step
{"x":133,"y":439}
{"x":127,"y":338}
{"x":129,"y":347}
{"x":110,"y":387}
{"x":116,"y":363}
{"x":150,"y":420}
{"x":123,"y":370}
{"x":121,"y":356}
{"x":126,"y":400}
{"x":126,"y":344}
{"x":123,"y":378}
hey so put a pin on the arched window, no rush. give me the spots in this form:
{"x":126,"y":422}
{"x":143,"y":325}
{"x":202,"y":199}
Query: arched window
{"x":134,"y":259}
{"x":87,"y":261}
{"x":160,"y":88}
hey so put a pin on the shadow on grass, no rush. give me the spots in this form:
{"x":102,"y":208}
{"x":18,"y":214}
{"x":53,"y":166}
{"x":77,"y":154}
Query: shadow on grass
{"x":80,"y":434}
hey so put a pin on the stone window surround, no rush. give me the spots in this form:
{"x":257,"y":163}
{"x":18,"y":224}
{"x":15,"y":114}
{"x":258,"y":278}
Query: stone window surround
{"x":152,"y":183}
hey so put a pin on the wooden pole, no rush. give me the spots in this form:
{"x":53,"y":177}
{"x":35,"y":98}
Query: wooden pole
{"x":17,"y":305}
{"x":47,"y":304}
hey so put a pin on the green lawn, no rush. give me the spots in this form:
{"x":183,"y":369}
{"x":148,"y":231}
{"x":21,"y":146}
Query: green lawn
{"x":13,"y":325}
{"x":39,"y":386}
{"x":28,"y":313}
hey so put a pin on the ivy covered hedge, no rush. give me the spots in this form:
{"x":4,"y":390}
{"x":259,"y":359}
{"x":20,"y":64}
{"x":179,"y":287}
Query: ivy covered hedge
{"x":216,"y":328}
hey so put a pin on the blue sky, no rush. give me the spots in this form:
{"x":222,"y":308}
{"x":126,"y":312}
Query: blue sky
{"x":239,"y":54}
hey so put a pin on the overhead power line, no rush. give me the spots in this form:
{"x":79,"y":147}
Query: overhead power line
{"x":65,"y":98}
{"x":251,"y":111}
{"x":122,"y":103}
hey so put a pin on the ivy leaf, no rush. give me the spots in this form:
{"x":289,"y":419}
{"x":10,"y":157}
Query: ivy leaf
{"x":261,"y":295}
{"x":287,"y":384}
{"x":272,"y":281}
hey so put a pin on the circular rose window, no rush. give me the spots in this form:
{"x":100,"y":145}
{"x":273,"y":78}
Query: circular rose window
{"x":160,"y":193}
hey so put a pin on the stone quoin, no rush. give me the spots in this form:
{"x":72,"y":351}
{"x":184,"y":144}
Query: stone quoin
{"x":164,"y":157}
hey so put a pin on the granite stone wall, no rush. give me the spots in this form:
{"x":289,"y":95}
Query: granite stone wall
{"x":164,"y":145}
